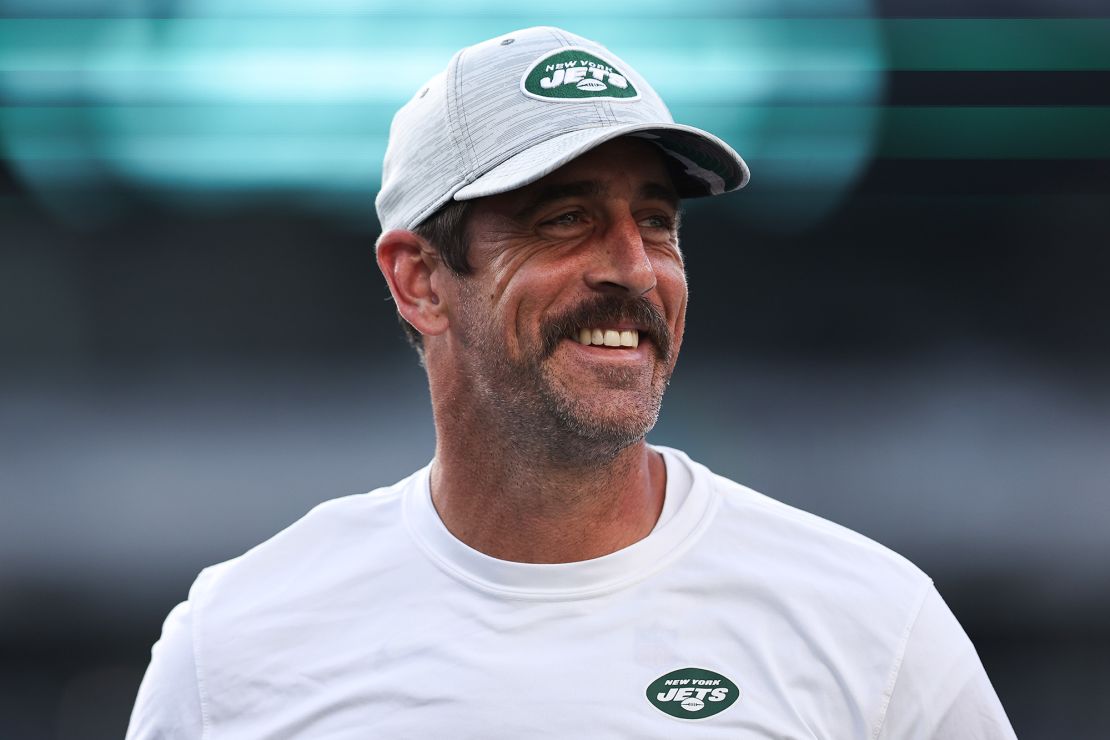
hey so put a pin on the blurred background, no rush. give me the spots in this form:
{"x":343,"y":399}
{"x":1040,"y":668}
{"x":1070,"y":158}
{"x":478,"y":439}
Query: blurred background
{"x":902,"y":324}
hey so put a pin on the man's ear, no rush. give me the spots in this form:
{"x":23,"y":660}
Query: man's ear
{"x":408,"y":263}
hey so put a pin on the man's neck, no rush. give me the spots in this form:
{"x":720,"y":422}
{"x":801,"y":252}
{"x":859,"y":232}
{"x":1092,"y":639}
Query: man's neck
{"x":533,"y":511}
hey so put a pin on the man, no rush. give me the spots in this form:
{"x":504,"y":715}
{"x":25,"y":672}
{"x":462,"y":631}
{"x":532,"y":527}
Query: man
{"x":550,"y":574}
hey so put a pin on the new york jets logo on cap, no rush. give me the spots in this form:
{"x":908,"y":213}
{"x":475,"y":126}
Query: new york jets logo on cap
{"x":692,"y":693}
{"x":572,"y":74}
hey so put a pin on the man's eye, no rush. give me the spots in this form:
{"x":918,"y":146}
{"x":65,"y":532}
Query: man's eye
{"x":657,"y":222}
{"x":566,"y":219}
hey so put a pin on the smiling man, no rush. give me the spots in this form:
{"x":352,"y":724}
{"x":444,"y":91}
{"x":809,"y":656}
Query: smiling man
{"x":549,"y":573}
{"x":548,"y":361}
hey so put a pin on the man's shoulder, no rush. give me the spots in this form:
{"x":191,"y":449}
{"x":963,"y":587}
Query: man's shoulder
{"x":790,"y":546}
{"x":805,"y":528}
{"x":317,"y":551}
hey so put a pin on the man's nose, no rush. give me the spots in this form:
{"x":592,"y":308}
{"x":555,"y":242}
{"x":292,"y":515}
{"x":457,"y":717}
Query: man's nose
{"x":621,"y":263}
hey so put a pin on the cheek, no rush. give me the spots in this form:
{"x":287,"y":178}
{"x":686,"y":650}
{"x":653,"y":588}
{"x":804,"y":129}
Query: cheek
{"x":671,"y":285}
{"x":518,"y":285}
{"x":529,"y":294}
{"x":520,"y":311}
{"x":673,"y":295}
{"x":514,"y":266}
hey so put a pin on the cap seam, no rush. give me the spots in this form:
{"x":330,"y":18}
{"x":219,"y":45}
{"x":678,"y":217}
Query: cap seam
{"x":456,"y":118}
{"x":467,"y":137}
{"x":559,"y":36}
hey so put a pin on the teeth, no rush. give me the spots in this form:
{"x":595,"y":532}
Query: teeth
{"x":610,"y":337}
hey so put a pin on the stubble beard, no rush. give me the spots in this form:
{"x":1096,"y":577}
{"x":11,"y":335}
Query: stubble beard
{"x":543,"y":419}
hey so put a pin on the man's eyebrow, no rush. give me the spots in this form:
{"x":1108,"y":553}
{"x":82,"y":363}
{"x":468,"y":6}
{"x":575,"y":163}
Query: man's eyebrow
{"x":551,"y":193}
{"x":659,"y":191}
{"x":590,"y":188}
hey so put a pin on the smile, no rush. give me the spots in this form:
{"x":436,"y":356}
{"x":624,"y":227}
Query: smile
{"x":609,"y":337}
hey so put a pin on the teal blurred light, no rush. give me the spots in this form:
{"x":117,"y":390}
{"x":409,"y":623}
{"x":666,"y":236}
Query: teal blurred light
{"x":217,"y":103}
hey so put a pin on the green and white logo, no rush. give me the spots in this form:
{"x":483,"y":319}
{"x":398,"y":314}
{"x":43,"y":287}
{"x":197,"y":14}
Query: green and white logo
{"x":572,"y":74}
{"x":692,"y":693}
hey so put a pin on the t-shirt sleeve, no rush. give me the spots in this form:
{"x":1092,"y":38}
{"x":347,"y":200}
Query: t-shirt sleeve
{"x":168,"y":704}
{"x":941,"y":690}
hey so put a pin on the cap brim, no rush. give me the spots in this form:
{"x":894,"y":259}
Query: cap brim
{"x":702,"y":164}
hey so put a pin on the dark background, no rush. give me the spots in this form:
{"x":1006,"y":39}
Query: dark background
{"x":919,"y":353}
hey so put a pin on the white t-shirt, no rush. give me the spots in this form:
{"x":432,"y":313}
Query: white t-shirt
{"x":737,"y":617}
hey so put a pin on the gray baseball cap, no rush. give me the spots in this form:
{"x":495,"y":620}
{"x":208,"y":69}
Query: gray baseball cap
{"x":513,"y":109}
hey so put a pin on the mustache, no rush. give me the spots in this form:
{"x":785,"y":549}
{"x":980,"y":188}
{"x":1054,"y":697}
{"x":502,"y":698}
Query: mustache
{"x":610,"y":309}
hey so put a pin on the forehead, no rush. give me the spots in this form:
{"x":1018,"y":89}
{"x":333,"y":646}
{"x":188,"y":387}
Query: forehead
{"x":625,"y":168}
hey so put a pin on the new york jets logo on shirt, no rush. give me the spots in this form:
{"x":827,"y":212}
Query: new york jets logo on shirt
{"x":572,"y":74}
{"x":692,"y":693}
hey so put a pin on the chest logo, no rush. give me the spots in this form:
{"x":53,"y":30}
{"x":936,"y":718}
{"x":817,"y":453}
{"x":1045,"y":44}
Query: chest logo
{"x":570,"y":75}
{"x":692,"y":693}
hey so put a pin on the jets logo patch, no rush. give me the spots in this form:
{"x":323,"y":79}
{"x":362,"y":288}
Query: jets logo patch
{"x":692,"y":693}
{"x":572,"y":74}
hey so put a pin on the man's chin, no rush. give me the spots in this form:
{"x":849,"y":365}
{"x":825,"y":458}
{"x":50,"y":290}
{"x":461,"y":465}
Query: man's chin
{"x":599,"y":425}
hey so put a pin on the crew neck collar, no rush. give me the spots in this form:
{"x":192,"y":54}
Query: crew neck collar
{"x":576,"y":580}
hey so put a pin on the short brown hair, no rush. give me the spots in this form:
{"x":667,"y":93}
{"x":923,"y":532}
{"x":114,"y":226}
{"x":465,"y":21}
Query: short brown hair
{"x":446,"y":231}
